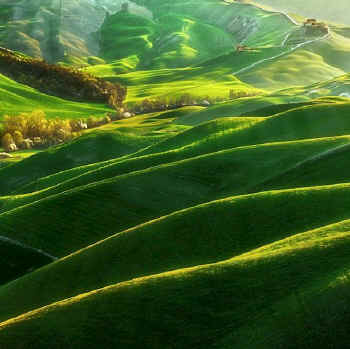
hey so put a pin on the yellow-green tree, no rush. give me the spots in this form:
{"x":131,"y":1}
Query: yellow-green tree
{"x":6,"y":141}
{"x":36,"y":124}
{"x":18,"y":138}
{"x":16,"y":122}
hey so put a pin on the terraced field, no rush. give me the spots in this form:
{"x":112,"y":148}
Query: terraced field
{"x":209,"y":225}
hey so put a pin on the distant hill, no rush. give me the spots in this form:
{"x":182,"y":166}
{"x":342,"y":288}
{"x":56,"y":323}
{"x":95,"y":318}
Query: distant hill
{"x":334,"y":11}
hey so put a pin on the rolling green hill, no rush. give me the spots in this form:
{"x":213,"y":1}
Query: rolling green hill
{"x":334,"y":12}
{"x":18,"y":259}
{"x":224,"y":227}
{"x":318,"y":61}
{"x":293,"y":266}
{"x":261,"y":231}
{"x":219,"y":218}
{"x":17,"y":98}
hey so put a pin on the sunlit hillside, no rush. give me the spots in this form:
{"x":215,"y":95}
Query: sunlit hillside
{"x":174,"y":174}
{"x":336,"y":11}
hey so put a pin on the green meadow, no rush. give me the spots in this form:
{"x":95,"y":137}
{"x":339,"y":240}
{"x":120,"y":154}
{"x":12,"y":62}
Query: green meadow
{"x":222,"y":222}
{"x":17,"y":98}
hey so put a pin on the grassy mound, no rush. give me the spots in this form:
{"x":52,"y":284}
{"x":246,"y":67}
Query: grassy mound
{"x":314,"y":121}
{"x":93,"y":147}
{"x":112,"y":315}
{"x":242,"y":106}
{"x":244,"y":169}
{"x":223,"y":229}
{"x":327,"y":168}
{"x":121,"y":208}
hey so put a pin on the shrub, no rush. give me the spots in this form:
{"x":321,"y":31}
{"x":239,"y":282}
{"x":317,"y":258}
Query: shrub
{"x":92,"y":122}
{"x":18,"y":138}
{"x":6,"y":142}
{"x":107,"y":119}
{"x":34,"y":129}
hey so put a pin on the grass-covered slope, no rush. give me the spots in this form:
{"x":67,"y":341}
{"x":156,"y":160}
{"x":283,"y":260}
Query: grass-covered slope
{"x":310,"y":121}
{"x":223,"y":229}
{"x":208,"y":226}
{"x":323,"y":9}
{"x":251,"y":170}
{"x":212,"y":301}
{"x":327,"y":168}
{"x":195,"y":43}
{"x":274,"y":245}
{"x":90,"y":148}
{"x":180,"y":50}
{"x":17,"y":259}
{"x":212,"y":161}
{"x":246,"y":106}
{"x":340,"y":86}
{"x":173,"y":41}
{"x":185,"y":32}
{"x":318,"y":61}
{"x":16,"y":98}
{"x":199,"y":82}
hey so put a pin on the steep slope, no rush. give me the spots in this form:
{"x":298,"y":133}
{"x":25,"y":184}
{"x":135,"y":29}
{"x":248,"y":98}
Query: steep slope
{"x":172,"y":41}
{"x":42,"y":29}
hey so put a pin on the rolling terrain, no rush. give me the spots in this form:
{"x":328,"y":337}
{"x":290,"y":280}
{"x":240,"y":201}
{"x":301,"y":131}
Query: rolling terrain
{"x":219,"y":222}
{"x":333,"y":12}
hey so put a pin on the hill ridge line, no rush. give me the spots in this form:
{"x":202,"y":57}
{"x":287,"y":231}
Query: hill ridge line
{"x":285,"y":14}
{"x":247,"y":256}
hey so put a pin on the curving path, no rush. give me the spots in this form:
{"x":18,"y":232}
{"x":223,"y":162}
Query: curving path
{"x":292,"y":49}
{"x":14,"y":242}
{"x":253,"y":65}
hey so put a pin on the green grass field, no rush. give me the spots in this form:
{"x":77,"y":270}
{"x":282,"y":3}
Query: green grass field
{"x":17,"y":98}
{"x":217,"y":225}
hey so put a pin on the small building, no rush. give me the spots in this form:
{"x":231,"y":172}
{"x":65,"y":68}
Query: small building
{"x":313,"y":26}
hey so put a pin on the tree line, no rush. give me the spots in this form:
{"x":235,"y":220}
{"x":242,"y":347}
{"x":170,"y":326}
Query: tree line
{"x":64,"y":82}
{"x":35,"y":130}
